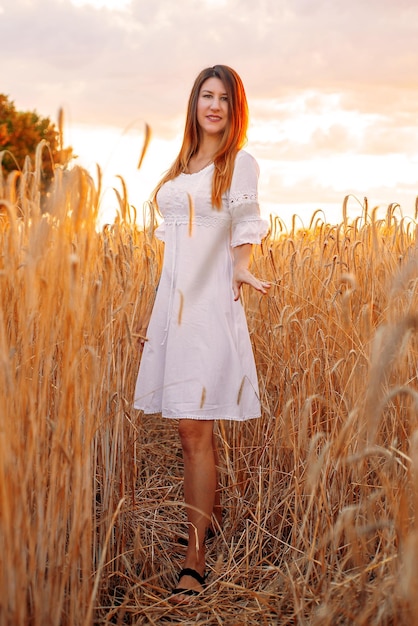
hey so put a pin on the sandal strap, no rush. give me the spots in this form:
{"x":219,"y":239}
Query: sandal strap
{"x":188,"y":571}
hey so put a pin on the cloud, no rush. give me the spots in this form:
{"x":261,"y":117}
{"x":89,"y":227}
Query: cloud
{"x":325,"y":79}
{"x":382,"y":137}
{"x":388,"y":139}
{"x":114,"y":67}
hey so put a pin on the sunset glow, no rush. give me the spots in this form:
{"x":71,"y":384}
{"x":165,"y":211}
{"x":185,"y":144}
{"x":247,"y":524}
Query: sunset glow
{"x":332,"y":105}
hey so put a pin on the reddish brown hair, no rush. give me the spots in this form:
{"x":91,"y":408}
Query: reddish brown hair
{"x":233,"y":137}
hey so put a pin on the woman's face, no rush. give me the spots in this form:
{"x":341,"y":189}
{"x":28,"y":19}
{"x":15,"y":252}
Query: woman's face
{"x":212,"y":107}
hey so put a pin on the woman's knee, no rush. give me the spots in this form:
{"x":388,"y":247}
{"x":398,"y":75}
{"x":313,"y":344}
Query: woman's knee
{"x":195,"y":435}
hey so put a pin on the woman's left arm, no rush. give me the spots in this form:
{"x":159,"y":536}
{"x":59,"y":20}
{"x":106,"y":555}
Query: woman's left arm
{"x":241,"y":273}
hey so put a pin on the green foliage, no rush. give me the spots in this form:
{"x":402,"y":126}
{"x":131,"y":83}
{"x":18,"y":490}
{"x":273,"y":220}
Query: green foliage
{"x":21,"y":132}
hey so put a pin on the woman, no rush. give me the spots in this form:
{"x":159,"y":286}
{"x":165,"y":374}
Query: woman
{"x":197,"y":365}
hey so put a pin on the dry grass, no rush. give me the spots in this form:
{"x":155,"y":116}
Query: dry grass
{"x":319,"y":495}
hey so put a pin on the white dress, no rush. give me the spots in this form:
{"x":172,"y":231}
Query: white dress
{"x":198,"y":361}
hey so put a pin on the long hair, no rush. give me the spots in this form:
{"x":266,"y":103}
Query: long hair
{"x":233,"y":137}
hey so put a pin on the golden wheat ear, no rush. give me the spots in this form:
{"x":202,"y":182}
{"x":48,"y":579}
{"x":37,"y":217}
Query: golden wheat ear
{"x":147,"y":139}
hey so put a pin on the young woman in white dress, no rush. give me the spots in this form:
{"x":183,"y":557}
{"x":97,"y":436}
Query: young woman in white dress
{"x":197,"y":365}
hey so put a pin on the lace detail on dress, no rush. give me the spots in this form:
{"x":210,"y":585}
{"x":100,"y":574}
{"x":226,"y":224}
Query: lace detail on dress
{"x":198,"y":220}
{"x":243,"y":198}
{"x":248,"y":218}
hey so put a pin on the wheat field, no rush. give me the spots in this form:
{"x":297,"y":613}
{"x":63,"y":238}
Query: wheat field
{"x":319,"y":495}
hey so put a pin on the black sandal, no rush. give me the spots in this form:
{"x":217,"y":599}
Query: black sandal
{"x":188,"y":571}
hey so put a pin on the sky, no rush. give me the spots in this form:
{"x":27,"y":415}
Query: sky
{"x":332,"y":89}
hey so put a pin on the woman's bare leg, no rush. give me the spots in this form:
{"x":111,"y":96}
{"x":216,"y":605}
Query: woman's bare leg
{"x":199,"y":492}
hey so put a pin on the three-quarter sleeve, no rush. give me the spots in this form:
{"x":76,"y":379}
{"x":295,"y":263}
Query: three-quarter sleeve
{"x":247,"y":225}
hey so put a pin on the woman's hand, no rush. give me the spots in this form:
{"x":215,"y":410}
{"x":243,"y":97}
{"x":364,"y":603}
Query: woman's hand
{"x":243,"y":276}
{"x":241,"y":273}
